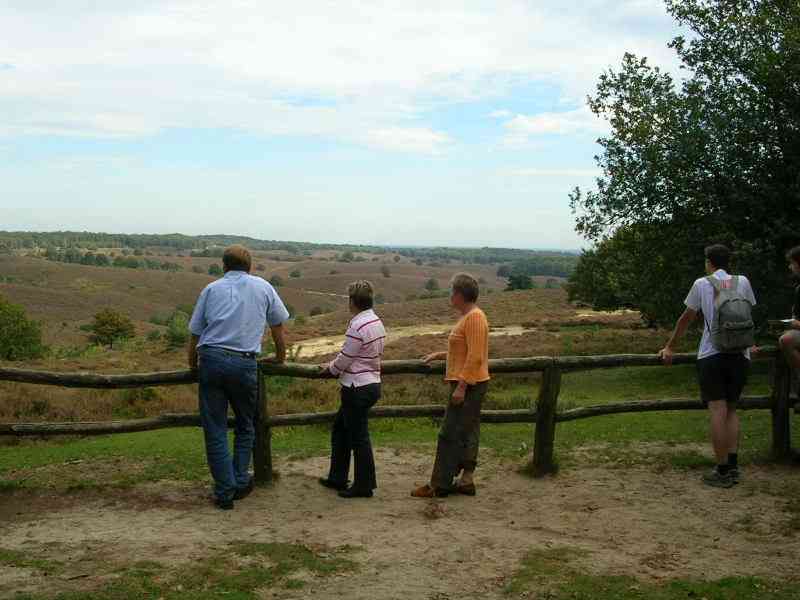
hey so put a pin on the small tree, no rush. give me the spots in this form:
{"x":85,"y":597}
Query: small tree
{"x":178,"y":329}
{"x":503,"y":271}
{"x":109,"y":326}
{"x":519,"y":281}
{"x":20,"y":337}
{"x":385,"y":271}
{"x":215,"y":270}
{"x":431,"y":285}
{"x":396,"y":258}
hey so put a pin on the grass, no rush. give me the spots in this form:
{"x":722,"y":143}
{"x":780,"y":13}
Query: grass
{"x":238,"y":572}
{"x":553,"y":574}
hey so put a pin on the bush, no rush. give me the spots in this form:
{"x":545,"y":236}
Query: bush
{"x":178,"y":329}
{"x":109,"y":326}
{"x":260,"y":267}
{"x":317,"y":310}
{"x":296,"y":274}
{"x":431,"y":285}
{"x":215,"y":270}
{"x":276,"y":281}
{"x":379,"y":299}
{"x":385,"y":271}
{"x":299,"y":320}
{"x":20,"y":337}
{"x":187,"y":309}
{"x":396,"y":258}
{"x":154,"y":336}
{"x":198,"y":269}
{"x":333,"y":272}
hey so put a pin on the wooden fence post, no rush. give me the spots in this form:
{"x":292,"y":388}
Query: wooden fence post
{"x":262,"y":449}
{"x":546,"y":404}
{"x":781,"y":410}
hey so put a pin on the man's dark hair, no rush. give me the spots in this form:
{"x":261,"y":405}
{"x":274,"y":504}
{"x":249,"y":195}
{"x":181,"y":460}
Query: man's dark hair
{"x":237,"y":258}
{"x":794,"y":254}
{"x":719,"y":256}
{"x":361,"y":294}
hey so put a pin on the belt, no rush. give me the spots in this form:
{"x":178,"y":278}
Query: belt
{"x":252,"y":355}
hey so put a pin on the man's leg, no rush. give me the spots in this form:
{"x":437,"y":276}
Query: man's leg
{"x":243,"y":385}
{"x":720,"y":439}
{"x":472,"y":431}
{"x":340,"y":444}
{"x":214,"y":418}
{"x":790,"y":345}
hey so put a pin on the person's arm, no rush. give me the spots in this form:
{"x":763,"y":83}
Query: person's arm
{"x":686,"y":319}
{"x":349,"y":352}
{"x":278,"y":334}
{"x":429,"y":358}
{"x":191,"y":350}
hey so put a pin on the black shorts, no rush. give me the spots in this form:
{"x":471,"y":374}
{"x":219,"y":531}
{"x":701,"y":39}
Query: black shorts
{"x":723,"y":377}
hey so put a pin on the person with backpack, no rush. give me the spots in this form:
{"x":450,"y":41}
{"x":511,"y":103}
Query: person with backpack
{"x":723,"y":359}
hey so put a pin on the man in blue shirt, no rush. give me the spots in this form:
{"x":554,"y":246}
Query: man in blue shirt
{"x":227,"y":326}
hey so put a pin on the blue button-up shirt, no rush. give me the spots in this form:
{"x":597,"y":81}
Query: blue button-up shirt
{"x":232,"y":312}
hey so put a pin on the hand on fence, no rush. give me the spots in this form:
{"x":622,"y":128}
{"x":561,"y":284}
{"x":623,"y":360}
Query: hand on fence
{"x":325,"y":370}
{"x":429,"y":358}
{"x":273,"y":360}
{"x":666,"y":355}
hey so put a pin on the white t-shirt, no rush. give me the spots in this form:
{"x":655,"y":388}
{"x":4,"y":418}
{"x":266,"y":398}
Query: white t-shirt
{"x":701,"y":299}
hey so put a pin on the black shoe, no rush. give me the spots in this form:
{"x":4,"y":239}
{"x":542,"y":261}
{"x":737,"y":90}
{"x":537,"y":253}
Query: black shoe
{"x":325,"y":482}
{"x":244,"y":492}
{"x":352,"y":492}
{"x":223,"y":504}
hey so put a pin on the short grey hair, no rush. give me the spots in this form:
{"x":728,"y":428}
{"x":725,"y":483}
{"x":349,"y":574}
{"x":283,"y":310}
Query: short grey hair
{"x":361,"y":294}
{"x":466,"y":285}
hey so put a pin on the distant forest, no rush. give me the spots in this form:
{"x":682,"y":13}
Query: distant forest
{"x":83,"y":247}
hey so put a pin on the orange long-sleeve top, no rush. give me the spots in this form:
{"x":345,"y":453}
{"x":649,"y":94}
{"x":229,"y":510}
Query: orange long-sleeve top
{"x":468,"y":349}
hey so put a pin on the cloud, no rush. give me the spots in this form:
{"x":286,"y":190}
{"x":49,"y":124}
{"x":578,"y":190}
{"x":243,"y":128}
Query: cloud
{"x":565,"y":172}
{"x":303,"y":68}
{"x":401,"y":139}
{"x":522,"y":128}
{"x":500,"y":114}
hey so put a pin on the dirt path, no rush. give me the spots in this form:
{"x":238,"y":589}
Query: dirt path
{"x":637,"y":522}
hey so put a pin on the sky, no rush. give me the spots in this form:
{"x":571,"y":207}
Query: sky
{"x":416,"y":123}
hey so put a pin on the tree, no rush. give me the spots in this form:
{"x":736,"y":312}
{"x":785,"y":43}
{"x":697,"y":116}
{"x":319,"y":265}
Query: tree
{"x":519,"y":281}
{"x":431,"y":285}
{"x":396,"y":258}
{"x":215,"y":270}
{"x":109,"y":326}
{"x":101,"y":260}
{"x":178,"y":329}
{"x":20,"y":337}
{"x":385,"y":271}
{"x":714,"y":159}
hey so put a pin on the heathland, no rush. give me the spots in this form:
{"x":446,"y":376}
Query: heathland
{"x":127,"y":516}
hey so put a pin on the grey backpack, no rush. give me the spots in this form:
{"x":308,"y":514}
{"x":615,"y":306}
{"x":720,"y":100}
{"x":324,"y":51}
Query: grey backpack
{"x":733,"y":329}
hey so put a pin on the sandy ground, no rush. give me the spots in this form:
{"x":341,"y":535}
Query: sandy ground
{"x":637,"y":522}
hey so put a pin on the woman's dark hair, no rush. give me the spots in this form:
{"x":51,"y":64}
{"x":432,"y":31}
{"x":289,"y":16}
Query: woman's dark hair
{"x":361,"y":294}
{"x":794,"y":254}
{"x":719,"y":256}
{"x":237,"y":258}
{"x":466,"y":285}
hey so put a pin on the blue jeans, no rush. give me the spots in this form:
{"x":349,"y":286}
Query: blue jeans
{"x":227,"y":378}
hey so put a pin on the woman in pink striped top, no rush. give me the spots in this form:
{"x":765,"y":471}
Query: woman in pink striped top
{"x":358,"y":367}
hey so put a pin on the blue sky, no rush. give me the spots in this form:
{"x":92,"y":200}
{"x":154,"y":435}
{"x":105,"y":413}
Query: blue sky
{"x":446,"y":123}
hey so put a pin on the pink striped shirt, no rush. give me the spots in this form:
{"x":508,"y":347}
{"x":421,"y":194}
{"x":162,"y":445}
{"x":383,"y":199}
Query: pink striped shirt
{"x":359,"y":362}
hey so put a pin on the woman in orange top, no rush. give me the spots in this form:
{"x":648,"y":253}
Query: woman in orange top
{"x":468,"y":373}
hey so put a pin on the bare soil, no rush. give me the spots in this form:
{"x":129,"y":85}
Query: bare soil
{"x":637,"y":522}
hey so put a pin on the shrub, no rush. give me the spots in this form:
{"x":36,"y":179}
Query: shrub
{"x":379,"y":299}
{"x":333,"y":272}
{"x":317,"y":310}
{"x":385,"y":271}
{"x":431,"y":285}
{"x":20,"y":337}
{"x":276,"y":280}
{"x":187,"y":309}
{"x":198,"y":269}
{"x":109,"y":326}
{"x":260,"y":267}
{"x":154,"y":336}
{"x":396,"y":258}
{"x":178,"y":329}
{"x":299,"y":320}
{"x":215,"y":270}
{"x":296,"y":274}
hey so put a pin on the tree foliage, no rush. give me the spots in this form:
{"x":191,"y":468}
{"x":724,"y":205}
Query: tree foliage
{"x":712,"y":158}
{"x":20,"y":337}
{"x":109,"y":326}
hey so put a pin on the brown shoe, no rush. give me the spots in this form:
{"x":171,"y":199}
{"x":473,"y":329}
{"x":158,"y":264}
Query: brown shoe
{"x":426,"y":491}
{"x":466,"y":490}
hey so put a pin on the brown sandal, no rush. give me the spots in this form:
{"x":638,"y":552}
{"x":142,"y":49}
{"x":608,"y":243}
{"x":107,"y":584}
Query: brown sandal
{"x":426,"y":491}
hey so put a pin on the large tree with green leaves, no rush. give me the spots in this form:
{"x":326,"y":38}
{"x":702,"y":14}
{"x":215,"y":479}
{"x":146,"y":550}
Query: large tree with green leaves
{"x":714,"y":157}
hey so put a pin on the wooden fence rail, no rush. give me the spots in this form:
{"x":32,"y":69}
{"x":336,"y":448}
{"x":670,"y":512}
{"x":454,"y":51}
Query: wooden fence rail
{"x":543,"y":413}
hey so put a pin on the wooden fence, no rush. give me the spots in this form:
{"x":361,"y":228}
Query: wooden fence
{"x":543,"y":412}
